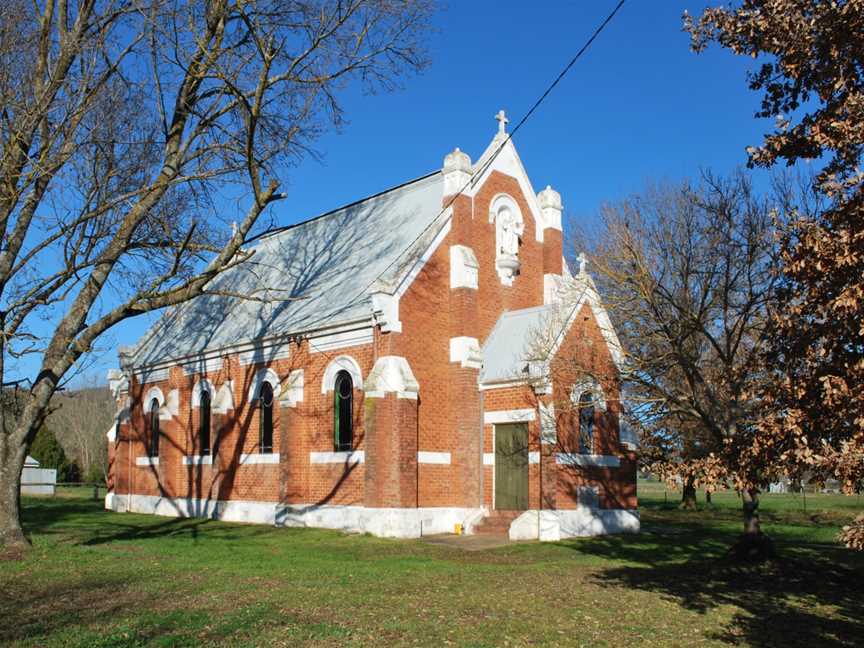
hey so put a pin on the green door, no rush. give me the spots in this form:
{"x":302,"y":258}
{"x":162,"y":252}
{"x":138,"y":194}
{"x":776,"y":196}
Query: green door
{"x":511,"y":467}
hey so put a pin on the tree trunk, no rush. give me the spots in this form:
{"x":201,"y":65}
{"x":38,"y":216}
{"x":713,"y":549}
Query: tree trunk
{"x":688,"y":496}
{"x":11,"y":535}
{"x":707,"y":497}
{"x":752,"y":545}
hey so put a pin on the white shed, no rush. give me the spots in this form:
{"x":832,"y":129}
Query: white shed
{"x":36,"y":480}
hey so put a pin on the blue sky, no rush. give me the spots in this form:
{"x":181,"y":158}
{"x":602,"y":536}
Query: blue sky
{"x":638,"y":106}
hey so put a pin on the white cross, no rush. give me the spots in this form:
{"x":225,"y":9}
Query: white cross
{"x":502,"y":122}
{"x":583,"y":261}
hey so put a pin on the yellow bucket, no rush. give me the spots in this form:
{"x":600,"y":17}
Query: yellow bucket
{"x":457,"y":529}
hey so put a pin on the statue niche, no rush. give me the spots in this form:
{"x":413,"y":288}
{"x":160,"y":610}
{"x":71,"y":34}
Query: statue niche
{"x":509,"y":228}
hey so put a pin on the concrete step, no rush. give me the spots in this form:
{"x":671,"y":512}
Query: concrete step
{"x":497,"y":523}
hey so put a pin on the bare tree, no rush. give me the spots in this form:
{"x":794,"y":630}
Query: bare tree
{"x":81,"y":418}
{"x":129,"y":130}
{"x":687,"y":274}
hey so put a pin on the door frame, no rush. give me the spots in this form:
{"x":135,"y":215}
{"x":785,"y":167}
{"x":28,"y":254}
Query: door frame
{"x":527,"y":461}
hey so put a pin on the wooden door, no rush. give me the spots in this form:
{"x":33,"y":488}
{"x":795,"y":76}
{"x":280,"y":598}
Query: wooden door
{"x":511,"y":467}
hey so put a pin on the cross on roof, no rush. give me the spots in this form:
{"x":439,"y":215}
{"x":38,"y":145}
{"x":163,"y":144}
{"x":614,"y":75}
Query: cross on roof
{"x":502,"y":122}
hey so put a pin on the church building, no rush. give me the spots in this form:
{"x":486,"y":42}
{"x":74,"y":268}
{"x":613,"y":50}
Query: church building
{"x":421,"y":361}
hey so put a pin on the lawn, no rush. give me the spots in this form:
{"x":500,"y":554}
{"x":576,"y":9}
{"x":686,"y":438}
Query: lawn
{"x":96,"y":578}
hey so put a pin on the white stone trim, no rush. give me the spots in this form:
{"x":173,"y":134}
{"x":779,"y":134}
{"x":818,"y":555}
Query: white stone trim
{"x":552,"y":288}
{"x":198,"y":460}
{"x":426,"y":457}
{"x":488,"y":458}
{"x":464,"y":268}
{"x":386,"y":309}
{"x":165,"y":407}
{"x":391,"y":374}
{"x":456,"y":172}
{"x":466,"y":351}
{"x":503,"y":384}
{"x":574,"y":459}
{"x":261,"y":376}
{"x":551,"y":208}
{"x":146,"y":461}
{"x":548,"y":424}
{"x":341,"y":339}
{"x":259,"y":458}
{"x":293,"y":393}
{"x":534,"y":457}
{"x":352,"y":457}
{"x":336,"y":365}
{"x":118,"y":383}
{"x":153,"y":392}
{"x":112,"y":434}
{"x":509,"y":416}
{"x":172,"y":404}
{"x":202,"y":385}
{"x":223,"y":400}
{"x":381,"y":522}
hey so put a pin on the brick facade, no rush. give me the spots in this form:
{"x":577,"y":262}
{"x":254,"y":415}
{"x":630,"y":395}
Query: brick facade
{"x":411,"y":449}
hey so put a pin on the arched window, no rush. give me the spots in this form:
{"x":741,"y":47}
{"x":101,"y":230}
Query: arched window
{"x":343,"y":419}
{"x":265,"y":418}
{"x":586,"y":423}
{"x":204,"y":422}
{"x":154,"y":427}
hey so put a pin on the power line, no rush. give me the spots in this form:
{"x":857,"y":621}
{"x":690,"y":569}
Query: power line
{"x":479,"y":173}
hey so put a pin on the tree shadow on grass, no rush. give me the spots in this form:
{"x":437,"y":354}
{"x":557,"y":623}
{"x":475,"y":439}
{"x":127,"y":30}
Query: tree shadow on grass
{"x":92,"y":525}
{"x":32,"y":610}
{"x":813,"y":595}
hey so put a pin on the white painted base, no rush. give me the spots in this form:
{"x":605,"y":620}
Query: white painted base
{"x":554,"y":525}
{"x":382,"y":522}
{"x":230,"y":511}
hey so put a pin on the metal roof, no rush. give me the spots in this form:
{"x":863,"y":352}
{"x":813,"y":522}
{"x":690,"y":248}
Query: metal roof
{"x":318,"y":273}
{"x":519,"y":337}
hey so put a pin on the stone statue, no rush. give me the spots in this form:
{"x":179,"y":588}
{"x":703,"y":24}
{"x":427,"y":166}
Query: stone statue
{"x":511,"y":230}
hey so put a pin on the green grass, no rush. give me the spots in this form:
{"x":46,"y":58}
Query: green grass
{"x":104,"y":579}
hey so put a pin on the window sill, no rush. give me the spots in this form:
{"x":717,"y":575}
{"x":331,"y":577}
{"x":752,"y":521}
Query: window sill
{"x":259,"y":458}
{"x":147,"y":461}
{"x":198,"y":460}
{"x":347,"y":456}
{"x":602,"y":461}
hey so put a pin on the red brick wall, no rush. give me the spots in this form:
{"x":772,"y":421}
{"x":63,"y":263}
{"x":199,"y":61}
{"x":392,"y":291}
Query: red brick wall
{"x":448,"y":417}
{"x":307,"y":428}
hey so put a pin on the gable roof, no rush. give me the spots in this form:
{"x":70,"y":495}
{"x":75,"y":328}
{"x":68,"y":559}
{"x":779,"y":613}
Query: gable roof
{"x":318,"y":273}
{"x":508,"y":349}
{"x":531,"y":336}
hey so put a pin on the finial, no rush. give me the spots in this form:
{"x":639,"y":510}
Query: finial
{"x":583,"y":262}
{"x":502,"y":122}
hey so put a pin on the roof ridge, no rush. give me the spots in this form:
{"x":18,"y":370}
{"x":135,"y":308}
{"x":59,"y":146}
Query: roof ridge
{"x":279,"y":230}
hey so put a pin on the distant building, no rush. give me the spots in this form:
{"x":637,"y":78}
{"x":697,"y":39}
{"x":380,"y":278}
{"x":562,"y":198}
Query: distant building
{"x":36,"y":480}
{"x":385,"y":384}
